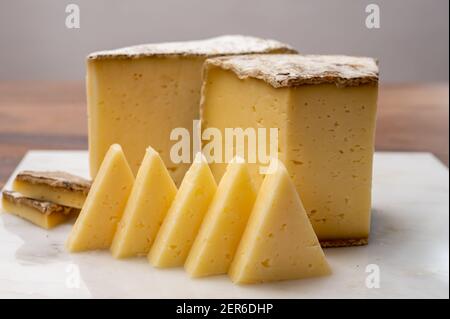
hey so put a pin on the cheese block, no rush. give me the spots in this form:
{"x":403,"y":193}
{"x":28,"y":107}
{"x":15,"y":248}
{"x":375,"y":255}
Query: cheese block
{"x":54,"y":186}
{"x":224,"y":223}
{"x":137,"y":95}
{"x":42,"y":213}
{"x":279,"y":242}
{"x":185,"y":215}
{"x":150,"y":198}
{"x":103,"y":209}
{"x":324,"y":109}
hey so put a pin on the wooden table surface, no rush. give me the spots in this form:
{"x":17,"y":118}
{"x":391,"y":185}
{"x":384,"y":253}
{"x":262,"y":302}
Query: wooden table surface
{"x":50,"y":115}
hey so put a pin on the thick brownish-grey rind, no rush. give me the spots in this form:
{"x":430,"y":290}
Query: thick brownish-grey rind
{"x":292,"y":70}
{"x":56,"y":179}
{"x":41,"y":206}
{"x":344,"y":242}
{"x":223,"y":45}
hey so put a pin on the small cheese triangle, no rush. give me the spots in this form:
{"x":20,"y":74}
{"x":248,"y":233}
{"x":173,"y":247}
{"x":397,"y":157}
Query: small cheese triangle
{"x":185,"y":216}
{"x":150,"y":199}
{"x":224,"y":223}
{"x":279,"y":242}
{"x":104,"y":205}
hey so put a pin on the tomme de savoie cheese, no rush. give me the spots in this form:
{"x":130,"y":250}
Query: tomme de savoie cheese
{"x":137,"y":95}
{"x":279,"y":242}
{"x":324,"y":108}
{"x":96,"y":225}
{"x":185,"y":216}
{"x":43,"y":213}
{"x":54,"y":186}
{"x":152,"y":193}
{"x":224,"y":223}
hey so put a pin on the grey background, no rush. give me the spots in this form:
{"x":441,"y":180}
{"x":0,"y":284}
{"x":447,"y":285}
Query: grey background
{"x":412,"y":43}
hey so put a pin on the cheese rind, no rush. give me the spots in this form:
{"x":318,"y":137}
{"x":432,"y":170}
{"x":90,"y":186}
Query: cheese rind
{"x":41,"y":213}
{"x":152,"y":193}
{"x":325,"y":114}
{"x":96,"y":225}
{"x":224,"y":223}
{"x":138,"y":95}
{"x":180,"y":227}
{"x":279,"y":242}
{"x":54,"y":186}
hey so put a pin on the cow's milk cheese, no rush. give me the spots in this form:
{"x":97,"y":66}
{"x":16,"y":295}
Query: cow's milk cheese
{"x":185,"y":216}
{"x":224,"y":223}
{"x":138,"y":95}
{"x":42,"y":213}
{"x":152,"y":193}
{"x":324,"y":109}
{"x":104,"y":205}
{"x":54,"y":186}
{"x":279,"y":242}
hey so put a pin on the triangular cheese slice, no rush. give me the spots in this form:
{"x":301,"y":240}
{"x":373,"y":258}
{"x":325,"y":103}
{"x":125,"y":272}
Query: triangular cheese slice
{"x":150,"y":199}
{"x":224,"y":223}
{"x":279,"y":242}
{"x":104,"y":205}
{"x":185,"y":216}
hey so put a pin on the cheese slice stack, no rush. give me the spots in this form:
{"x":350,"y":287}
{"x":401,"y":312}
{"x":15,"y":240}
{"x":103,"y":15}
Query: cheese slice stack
{"x":104,"y":205}
{"x":224,"y":223}
{"x":151,"y":196}
{"x":324,"y":109}
{"x":279,"y":242}
{"x":185,"y":216}
{"x":137,"y":95}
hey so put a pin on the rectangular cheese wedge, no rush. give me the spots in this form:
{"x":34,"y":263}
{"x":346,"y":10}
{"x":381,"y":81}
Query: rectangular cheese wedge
{"x":324,"y":108}
{"x":152,"y":193}
{"x":180,"y":227}
{"x":224,"y":223}
{"x":42,"y":213}
{"x":137,"y":95}
{"x":54,"y":186}
{"x":96,"y":225}
{"x":279,"y":242}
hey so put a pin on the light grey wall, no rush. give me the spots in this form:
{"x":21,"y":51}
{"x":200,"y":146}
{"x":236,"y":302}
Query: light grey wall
{"x":412,"y":43}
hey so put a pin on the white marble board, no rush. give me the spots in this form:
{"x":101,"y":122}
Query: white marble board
{"x":409,"y":244}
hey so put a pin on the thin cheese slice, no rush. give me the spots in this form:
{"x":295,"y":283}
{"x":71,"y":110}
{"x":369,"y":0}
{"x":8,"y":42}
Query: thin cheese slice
{"x":97,"y":222}
{"x":42,"y":213}
{"x":185,"y":216}
{"x":279,"y":242}
{"x":224,"y":223}
{"x":150,"y":198}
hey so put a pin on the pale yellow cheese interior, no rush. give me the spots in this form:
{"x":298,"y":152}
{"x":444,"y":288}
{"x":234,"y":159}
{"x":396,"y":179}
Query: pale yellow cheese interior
{"x":59,"y":195}
{"x":185,"y":216}
{"x":279,"y":242}
{"x":326,"y":139}
{"x":224,"y":223}
{"x":35,"y":216}
{"x":150,"y":198}
{"x":96,"y":225}
{"x":137,"y":102}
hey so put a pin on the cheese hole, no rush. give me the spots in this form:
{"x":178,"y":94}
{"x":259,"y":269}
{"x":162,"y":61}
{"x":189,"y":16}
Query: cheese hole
{"x":266,"y":263}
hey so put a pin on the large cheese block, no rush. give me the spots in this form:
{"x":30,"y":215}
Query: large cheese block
{"x":279,"y":242}
{"x":180,"y":227}
{"x":152,"y":193}
{"x":96,"y":225}
{"x":137,"y":95}
{"x":324,"y":109}
{"x":224,"y":223}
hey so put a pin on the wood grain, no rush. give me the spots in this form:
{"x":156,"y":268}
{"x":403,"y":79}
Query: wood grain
{"x":51,"y":115}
